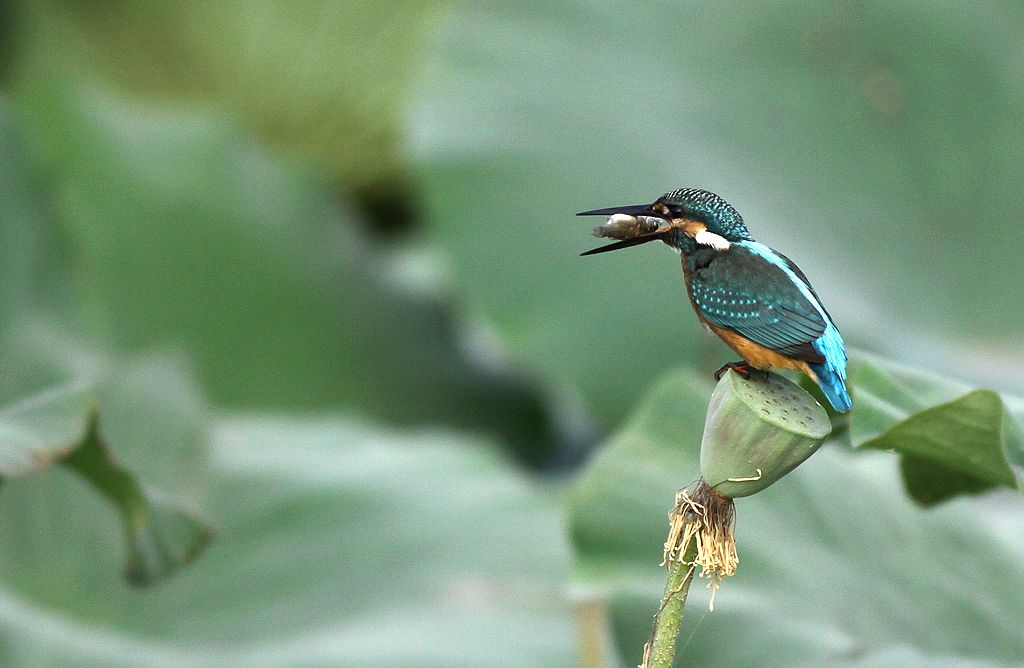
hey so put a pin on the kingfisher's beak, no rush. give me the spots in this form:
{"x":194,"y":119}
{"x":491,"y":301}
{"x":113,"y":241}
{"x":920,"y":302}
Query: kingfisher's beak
{"x":627,"y":243}
{"x":631,"y":210}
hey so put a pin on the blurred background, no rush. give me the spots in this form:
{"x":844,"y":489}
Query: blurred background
{"x":323,"y":257}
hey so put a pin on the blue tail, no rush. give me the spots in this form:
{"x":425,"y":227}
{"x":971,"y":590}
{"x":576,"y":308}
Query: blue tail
{"x":833,"y":384}
{"x":832,"y":373}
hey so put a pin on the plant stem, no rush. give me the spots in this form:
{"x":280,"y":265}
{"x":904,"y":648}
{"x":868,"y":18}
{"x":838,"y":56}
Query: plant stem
{"x":662,"y":645}
{"x":593,"y":625}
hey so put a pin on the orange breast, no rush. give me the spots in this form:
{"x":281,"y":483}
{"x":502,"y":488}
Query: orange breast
{"x":757,"y":355}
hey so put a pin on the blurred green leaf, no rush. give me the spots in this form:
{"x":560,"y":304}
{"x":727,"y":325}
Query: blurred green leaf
{"x":655,"y":454}
{"x":62,"y":426}
{"x":342,"y":544}
{"x":929,"y":482}
{"x":323,"y":79}
{"x":184,"y":235}
{"x":867,"y":143}
{"x":952,"y":439}
{"x":155,"y":417}
{"x":162,"y":536}
{"x":44,"y":428}
{"x":28,"y":266}
{"x":826,"y":555}
{"x":602,"y":326}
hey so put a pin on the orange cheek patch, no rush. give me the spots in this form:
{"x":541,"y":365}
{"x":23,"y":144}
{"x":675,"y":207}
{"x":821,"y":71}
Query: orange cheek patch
{"x":690,"y":227}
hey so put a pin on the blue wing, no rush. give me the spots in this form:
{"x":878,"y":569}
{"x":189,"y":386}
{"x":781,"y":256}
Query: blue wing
{"x":757,"y":297}
{"x":763,"y":295}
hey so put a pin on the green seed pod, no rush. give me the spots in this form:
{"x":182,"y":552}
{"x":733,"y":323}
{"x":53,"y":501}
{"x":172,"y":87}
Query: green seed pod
{"x":758,"y":430}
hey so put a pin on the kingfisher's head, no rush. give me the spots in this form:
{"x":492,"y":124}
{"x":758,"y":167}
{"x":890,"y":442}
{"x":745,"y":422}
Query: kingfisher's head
{"x":682,"y":218}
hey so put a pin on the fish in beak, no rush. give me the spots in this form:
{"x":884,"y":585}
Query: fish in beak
{"x":632,"y":225}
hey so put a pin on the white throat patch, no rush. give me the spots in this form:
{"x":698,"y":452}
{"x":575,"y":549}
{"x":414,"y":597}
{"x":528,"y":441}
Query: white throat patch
{"x":716,"y":241}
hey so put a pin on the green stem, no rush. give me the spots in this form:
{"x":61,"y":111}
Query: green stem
{"x":670,"y":615}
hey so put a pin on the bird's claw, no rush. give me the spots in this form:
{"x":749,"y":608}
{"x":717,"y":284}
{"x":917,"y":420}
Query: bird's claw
{"x":742,"y":368}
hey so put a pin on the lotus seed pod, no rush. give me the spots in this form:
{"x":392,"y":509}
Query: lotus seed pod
{"x":758,"y":430}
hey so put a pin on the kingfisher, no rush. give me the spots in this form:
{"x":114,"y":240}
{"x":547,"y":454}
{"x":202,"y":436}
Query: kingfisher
{"x":752,"y":297}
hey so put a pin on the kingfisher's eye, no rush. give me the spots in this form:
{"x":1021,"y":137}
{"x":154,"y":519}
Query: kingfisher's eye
{"x":661,"y":209}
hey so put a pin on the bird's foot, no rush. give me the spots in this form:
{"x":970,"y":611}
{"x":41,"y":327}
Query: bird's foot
{"x":742,"y":368}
